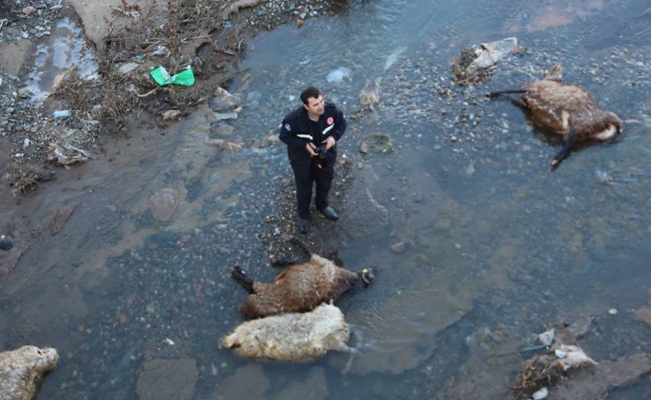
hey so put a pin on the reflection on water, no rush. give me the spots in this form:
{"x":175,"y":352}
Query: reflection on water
{"x":495,"y":245}
{"x":56,"y":58}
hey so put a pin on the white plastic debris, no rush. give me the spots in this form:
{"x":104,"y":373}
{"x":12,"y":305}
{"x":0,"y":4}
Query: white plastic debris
{"x":546,"y":338}
{"x":338,"y":75}
{"x":571,"y":356}
{"x":128,"y":67}
{"x":61,"y":114}
{"x":541,"y":394}
{"x":488,"y":54}
{"x":169,"y":341}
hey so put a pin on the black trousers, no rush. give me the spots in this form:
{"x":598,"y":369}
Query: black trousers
{"x":305,"y":175}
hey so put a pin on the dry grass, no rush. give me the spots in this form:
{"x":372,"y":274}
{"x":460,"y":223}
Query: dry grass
{"x":167,"y":34}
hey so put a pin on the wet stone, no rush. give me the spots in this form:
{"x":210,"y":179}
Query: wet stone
{"x":644,"y":315}
{"x":160,"y":239}
{"x":163,"y":204}
{"x":398,"y":248}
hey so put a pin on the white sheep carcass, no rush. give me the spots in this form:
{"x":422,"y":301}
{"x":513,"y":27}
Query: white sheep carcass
{"x":22,"y":370}
{"x":291,"y":337}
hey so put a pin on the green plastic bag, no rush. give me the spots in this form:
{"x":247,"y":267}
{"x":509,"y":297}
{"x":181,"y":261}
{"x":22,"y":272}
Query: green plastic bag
{"x":162,"y":77}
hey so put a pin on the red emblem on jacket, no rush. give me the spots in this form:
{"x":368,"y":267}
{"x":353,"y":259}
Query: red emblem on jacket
{"x":330,"y":121}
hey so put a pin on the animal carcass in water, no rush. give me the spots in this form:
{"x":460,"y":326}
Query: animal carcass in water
{"x":564,"y":109}
{"x":291,"y":337}
{"x":22,"y":370}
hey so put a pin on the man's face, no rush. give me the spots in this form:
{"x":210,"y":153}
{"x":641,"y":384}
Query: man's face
{"x":315,"y":105}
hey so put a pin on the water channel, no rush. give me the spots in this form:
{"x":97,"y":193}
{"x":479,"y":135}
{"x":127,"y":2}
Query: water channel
{"x":495,"y":245}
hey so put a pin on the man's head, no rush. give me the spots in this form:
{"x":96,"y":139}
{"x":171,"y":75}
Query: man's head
{"x":313,"y":101}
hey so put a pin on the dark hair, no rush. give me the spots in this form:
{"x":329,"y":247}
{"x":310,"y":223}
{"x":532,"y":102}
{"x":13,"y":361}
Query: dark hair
{"x":309,"y":93}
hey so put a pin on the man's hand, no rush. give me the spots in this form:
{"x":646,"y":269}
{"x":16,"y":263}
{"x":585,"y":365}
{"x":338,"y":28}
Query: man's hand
{"x":310,"y":148}
{"x":330,"y":142}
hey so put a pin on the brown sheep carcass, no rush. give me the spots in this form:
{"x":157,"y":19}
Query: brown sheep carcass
{"x":564,"y":109}
{"x":299,"y":288}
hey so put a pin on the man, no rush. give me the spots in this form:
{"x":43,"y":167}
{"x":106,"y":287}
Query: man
{"x":311,"y":133}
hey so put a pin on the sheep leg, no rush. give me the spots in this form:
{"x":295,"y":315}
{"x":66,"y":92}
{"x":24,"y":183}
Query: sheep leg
{"x":504,"y":92}
{"x":353,"y":351}
{"x":302,"y":245}
{"x":514,"y":100}
{"x":567,"y":146}
{"x":239,"y":276}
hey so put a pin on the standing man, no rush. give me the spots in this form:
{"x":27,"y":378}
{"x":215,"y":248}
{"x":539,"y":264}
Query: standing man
{"x":311,"y":133}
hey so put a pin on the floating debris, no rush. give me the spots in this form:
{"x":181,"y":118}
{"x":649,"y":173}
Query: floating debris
{"x":547,"y":338}
{"x":474,"y":63}
{"x":338,"y":75}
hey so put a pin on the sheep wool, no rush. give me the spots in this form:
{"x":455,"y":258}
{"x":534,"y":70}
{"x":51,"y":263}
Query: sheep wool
{"x":22,"y":370}
{"x":291,"y":337}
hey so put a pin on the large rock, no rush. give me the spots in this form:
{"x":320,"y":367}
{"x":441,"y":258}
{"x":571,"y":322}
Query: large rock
{"x":168,"y":379}
{"x":22,"y":370}
{"x":247,"y":383}
{"x":163,"y":204}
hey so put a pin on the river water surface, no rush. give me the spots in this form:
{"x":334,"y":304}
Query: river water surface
{"x":484,"y":246}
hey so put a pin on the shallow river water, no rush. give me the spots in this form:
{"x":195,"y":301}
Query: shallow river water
{"x":484,"y":245}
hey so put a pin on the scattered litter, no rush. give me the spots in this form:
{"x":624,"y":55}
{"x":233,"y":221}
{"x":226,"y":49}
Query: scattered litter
{"x":612,"y":311}
{"x":476,"y":60}
{"x":541,"y":394}
{"x":171,"y":114}
{"x":169,"y":341}
{"x":128,"y":67}
{"x":338,"y":75}
{"x":161,"y":51}
{"x":5,"y":243}
{"x":546,"y":338}
{"x":162,"y":77}
{"x":66,"y":155}
{"x":61,"y":114}
{"x":572,"y":357}
{"x":545,"y":370}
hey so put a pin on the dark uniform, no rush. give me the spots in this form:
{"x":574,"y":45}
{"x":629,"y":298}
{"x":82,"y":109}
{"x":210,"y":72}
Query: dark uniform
{"x":297,"y":130}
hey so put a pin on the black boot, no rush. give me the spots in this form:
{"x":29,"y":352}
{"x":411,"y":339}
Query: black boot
{"x":329,"y":213}
{"x":303,"y":225}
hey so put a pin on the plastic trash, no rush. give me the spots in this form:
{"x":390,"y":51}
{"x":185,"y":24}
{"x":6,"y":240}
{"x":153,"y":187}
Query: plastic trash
{"x":5,"y":243}
{"x":61,"y":114}
{"x":162,"y":77}
{"x":338,"y":75}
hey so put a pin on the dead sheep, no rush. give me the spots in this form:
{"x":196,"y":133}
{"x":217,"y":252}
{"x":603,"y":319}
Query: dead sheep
{"x":291,"y":337}
{"x":299,"y":288}
{"x":564,"y":109}
{"x":22,"y":370}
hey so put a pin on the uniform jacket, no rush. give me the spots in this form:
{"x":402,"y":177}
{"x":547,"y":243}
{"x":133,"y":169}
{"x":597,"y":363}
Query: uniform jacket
{"x":297,"y":130}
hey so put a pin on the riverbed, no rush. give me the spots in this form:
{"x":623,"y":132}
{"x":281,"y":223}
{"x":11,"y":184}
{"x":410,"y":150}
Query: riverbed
{"x":478,"y":246}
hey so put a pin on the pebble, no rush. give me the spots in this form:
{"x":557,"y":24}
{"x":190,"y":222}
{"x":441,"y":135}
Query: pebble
{"x":398,"y":248}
